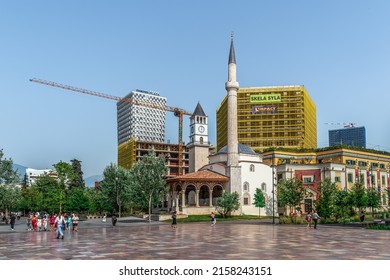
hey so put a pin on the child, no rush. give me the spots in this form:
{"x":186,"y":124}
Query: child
{"x":213,"y":219}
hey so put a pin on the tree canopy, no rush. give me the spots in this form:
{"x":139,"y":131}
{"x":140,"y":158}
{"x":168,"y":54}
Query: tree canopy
{"x":228,"y":203}
{"x":147,"y":181}
{"x":259,"y":199}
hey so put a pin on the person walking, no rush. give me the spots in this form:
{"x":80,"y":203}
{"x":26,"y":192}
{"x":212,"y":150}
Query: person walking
{"x":44,"y":222}
{"x":114,"y":220}
{"x":213,"y":219}
{"x":52,"y":222}
{"x":60,"y":221}
{"x":308,"y":219}
{"x":68,"y":222}
{"x":315,"y":218}
{"x":28,"y":220}
{"x":34,"y":222}
{"x":174,"y":220}
{"x":361,"y":217}
{"x":75,"y":222}
{"x":12,"y":221}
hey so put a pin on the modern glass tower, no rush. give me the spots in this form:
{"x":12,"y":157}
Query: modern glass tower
{"x":351,"y":136}
{"x":142,"y":119}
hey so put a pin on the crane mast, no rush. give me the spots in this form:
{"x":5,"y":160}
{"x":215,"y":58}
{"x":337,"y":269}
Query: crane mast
{"x":178,"y":112}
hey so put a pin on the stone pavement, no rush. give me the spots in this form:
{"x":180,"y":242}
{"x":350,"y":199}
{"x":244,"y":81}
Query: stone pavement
{"x":137,"y":240}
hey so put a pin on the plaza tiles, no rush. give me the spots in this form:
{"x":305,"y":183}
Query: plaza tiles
{"x":198,"y":241}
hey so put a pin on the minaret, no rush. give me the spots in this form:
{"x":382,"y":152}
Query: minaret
{"x":232,"y":88}
{"x":233,"y":168}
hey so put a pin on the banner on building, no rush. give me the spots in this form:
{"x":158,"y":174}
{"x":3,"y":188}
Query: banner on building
{"x":264,"y":109}
{"x":266,"y":98}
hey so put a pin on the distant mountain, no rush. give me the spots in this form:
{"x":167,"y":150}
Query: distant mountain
{"x":20,"y":169}
{"x":90,"y":181}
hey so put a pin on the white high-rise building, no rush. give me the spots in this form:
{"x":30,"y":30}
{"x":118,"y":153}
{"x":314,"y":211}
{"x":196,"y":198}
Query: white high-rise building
{"x":141,"y":117}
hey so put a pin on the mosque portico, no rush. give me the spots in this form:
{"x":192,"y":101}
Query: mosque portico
{"x":196,"y":193}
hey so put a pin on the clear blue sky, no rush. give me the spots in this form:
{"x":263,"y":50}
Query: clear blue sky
{"x":339,"y":50}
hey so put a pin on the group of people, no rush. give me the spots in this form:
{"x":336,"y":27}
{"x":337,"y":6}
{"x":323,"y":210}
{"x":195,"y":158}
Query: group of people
{"x":312,"y":217}
{"x":55,"y":222}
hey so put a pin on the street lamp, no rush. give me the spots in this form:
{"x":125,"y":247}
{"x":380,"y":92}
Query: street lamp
{"x":273,"y":187}
{"x":273,"y":192}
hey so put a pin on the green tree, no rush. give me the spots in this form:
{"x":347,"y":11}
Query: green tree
{"x":45,"y":186}
{"x":7,"y":175}
{"x":373,"y":199}
{"x":259,"y":199}
{"x":96,"y":200}
{"x":77,"y":180}
{"x":327,"y":200}
{"x":115,"y":188}
{"x":290,"y":192}
{"x":358,"y":195}
{"x":77,"y":201}
{"x":9,"y":193}
{"x":31,"y":198}
{"x":342,"y":203}
{"x":228,"y":203}
{"x":9,"y":198}
{"x":65,"y":173}
{"x":147,"y":186}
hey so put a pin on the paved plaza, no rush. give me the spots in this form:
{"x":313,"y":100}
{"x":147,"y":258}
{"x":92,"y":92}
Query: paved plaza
{"x":138,"y":240}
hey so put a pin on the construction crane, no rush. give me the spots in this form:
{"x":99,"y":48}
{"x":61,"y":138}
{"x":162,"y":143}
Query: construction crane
{"x":178,"y":112}
{"x":344,"y":124}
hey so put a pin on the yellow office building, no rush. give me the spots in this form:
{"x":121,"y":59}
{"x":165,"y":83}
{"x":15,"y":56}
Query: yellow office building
{"x":278,"y":116}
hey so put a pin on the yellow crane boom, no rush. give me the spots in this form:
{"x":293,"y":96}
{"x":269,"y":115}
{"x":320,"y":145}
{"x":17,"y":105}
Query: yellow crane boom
{"x":178,"y":112}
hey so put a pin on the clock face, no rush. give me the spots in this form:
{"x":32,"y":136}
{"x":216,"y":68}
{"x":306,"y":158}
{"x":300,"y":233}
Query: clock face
{"x":201,"y":129}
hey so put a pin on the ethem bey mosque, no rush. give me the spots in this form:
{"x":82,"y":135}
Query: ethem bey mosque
{"x":264,"y":134}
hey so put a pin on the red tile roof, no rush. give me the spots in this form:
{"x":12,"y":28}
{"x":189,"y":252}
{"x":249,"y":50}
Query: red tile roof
{"x":203,"y":175}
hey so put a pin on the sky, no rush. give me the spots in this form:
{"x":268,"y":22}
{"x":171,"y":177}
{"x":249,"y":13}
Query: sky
{"x":339,"y":50}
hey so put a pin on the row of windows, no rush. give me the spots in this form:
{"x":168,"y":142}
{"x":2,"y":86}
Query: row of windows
{"x":383,"y":179}
{"x":263,"y":187}
{"x":365,"y":163}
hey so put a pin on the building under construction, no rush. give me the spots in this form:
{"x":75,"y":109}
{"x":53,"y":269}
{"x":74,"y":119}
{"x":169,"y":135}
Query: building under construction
{"x":131,"y":151}
{"x":141,"y":128}
{"x":278,"y":116}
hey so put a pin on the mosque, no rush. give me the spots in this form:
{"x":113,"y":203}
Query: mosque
{"x":234,"y":168}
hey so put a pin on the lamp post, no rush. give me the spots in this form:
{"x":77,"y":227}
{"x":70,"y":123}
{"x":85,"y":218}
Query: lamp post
{"x":273,"y":192}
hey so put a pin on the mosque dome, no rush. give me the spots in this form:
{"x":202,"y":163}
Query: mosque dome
{"x":242,"y":149}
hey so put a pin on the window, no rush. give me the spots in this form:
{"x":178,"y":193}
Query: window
{"x":350,"y":178}
{"x":246,"y":187}
{"x":337,"y":179}
{"x":307,"y":179}
{"x":247,"y":199}
{"x":383,"y":180}
{"x":264,"y":187}
{"x":362,"y":163}
{"x":201,"y":140}
{"x":252,"y":168}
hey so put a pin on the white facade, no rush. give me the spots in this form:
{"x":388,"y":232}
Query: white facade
{"x":141,"y":115}
{"x":33,"y":174}
{"x":254,"y":174}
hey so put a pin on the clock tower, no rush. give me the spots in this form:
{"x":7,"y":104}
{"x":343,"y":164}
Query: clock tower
{"x":199,"y":146}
